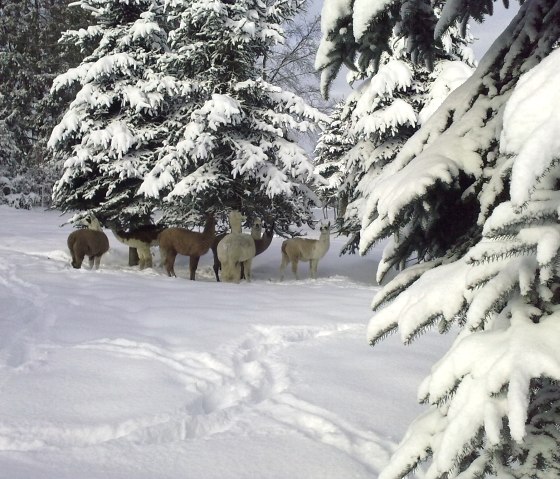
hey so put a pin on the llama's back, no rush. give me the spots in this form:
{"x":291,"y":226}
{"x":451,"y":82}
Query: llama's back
{"x":147,"y":234}
{"x":183,"y":241}
{"x":236,"y":247}
{"x":303,"y":249}
{"x":88,"y":242}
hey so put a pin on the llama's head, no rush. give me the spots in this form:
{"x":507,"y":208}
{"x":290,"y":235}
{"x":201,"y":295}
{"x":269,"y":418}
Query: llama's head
{"x":91,"y":222}
{"x":256,"y":229}
{"x":269,"y":229}
{"x":325,"y":228}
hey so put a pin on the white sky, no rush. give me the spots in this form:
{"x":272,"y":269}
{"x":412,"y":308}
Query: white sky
{"x":492,"y":27}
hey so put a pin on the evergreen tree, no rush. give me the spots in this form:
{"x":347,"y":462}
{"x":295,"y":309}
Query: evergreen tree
{"x":233,"y":142}
{"x":30,"y":57}
{"x":385,"y":111}
{"x":473,"y":195}
{"x":334,"y":142}
{"x":173,"y":116}
{"x":114,"y":130}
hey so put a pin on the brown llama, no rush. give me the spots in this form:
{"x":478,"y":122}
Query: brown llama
{"x":174,"y":241}
{"x":90,"y":242}
{"x":263,"y":243}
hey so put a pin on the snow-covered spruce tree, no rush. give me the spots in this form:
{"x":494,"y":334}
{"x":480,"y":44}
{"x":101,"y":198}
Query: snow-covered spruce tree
{"x":333,"y":143}
{"x":30,"y":58}
{"x":474,"y":194}
{"x":112,"y":133}
{"x":233,"y":146}
{"x":385,"y":111}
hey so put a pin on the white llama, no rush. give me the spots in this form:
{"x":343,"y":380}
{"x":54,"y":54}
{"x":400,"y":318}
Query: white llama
{"x":304,"y":249}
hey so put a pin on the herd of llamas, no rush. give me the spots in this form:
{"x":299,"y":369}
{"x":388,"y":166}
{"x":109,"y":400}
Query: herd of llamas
{"x":233,"y":252}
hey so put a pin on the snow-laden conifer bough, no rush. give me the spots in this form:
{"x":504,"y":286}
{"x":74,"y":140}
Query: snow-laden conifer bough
{"x":473,"y":196}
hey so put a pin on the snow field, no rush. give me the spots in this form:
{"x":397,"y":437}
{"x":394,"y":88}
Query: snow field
{"x":121,"y":373}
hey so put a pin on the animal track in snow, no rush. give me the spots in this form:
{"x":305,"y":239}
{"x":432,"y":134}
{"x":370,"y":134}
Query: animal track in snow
{"x":243,"y":377}
{"x":221,"y":390}
{"x":19,"y":346}
{"x":326,"y":427}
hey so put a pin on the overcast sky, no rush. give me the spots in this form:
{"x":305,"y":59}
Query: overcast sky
{"x":492,"y":27}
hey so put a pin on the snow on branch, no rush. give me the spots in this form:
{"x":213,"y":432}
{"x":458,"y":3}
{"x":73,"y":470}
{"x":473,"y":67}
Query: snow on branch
{"x":531,"y":129}
{"x":432,"y":293}
{"x":109,"y":65}
{"x":203,"y":178}
{"x":504,"y":366}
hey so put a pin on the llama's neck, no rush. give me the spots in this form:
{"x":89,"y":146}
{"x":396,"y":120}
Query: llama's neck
{"x":263,"y":243}
{"x":209,"y":231}
{"x":322,"y":244}
{"x":256,"y":233}
{"x":267,"y":238}
{"x":235,"y":227}
{"x":235,"y":220}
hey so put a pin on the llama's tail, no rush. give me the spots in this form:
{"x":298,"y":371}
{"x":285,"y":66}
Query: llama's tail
{"x":284,"y":243}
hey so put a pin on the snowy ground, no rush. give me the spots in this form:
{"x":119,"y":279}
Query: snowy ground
{"x":123,"y":373}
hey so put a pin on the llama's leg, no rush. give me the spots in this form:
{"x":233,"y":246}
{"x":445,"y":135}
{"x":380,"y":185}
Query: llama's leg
{"x":193,"y":264}
{"x":97,"y":261}
{"x":217,"y":264}
{"x":294,"y":267}
{"x":285,"y":261}
{"x":170,"y":262}
{"x":91,"y":261}
{"x":225,"y":273}
{"x":148,"y":257}
{"x":246,"y":270}
{"x":237,"y":272}
{"x":228,"y":272}
{"x":145,"y":257}
{"x":313,"y":268}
